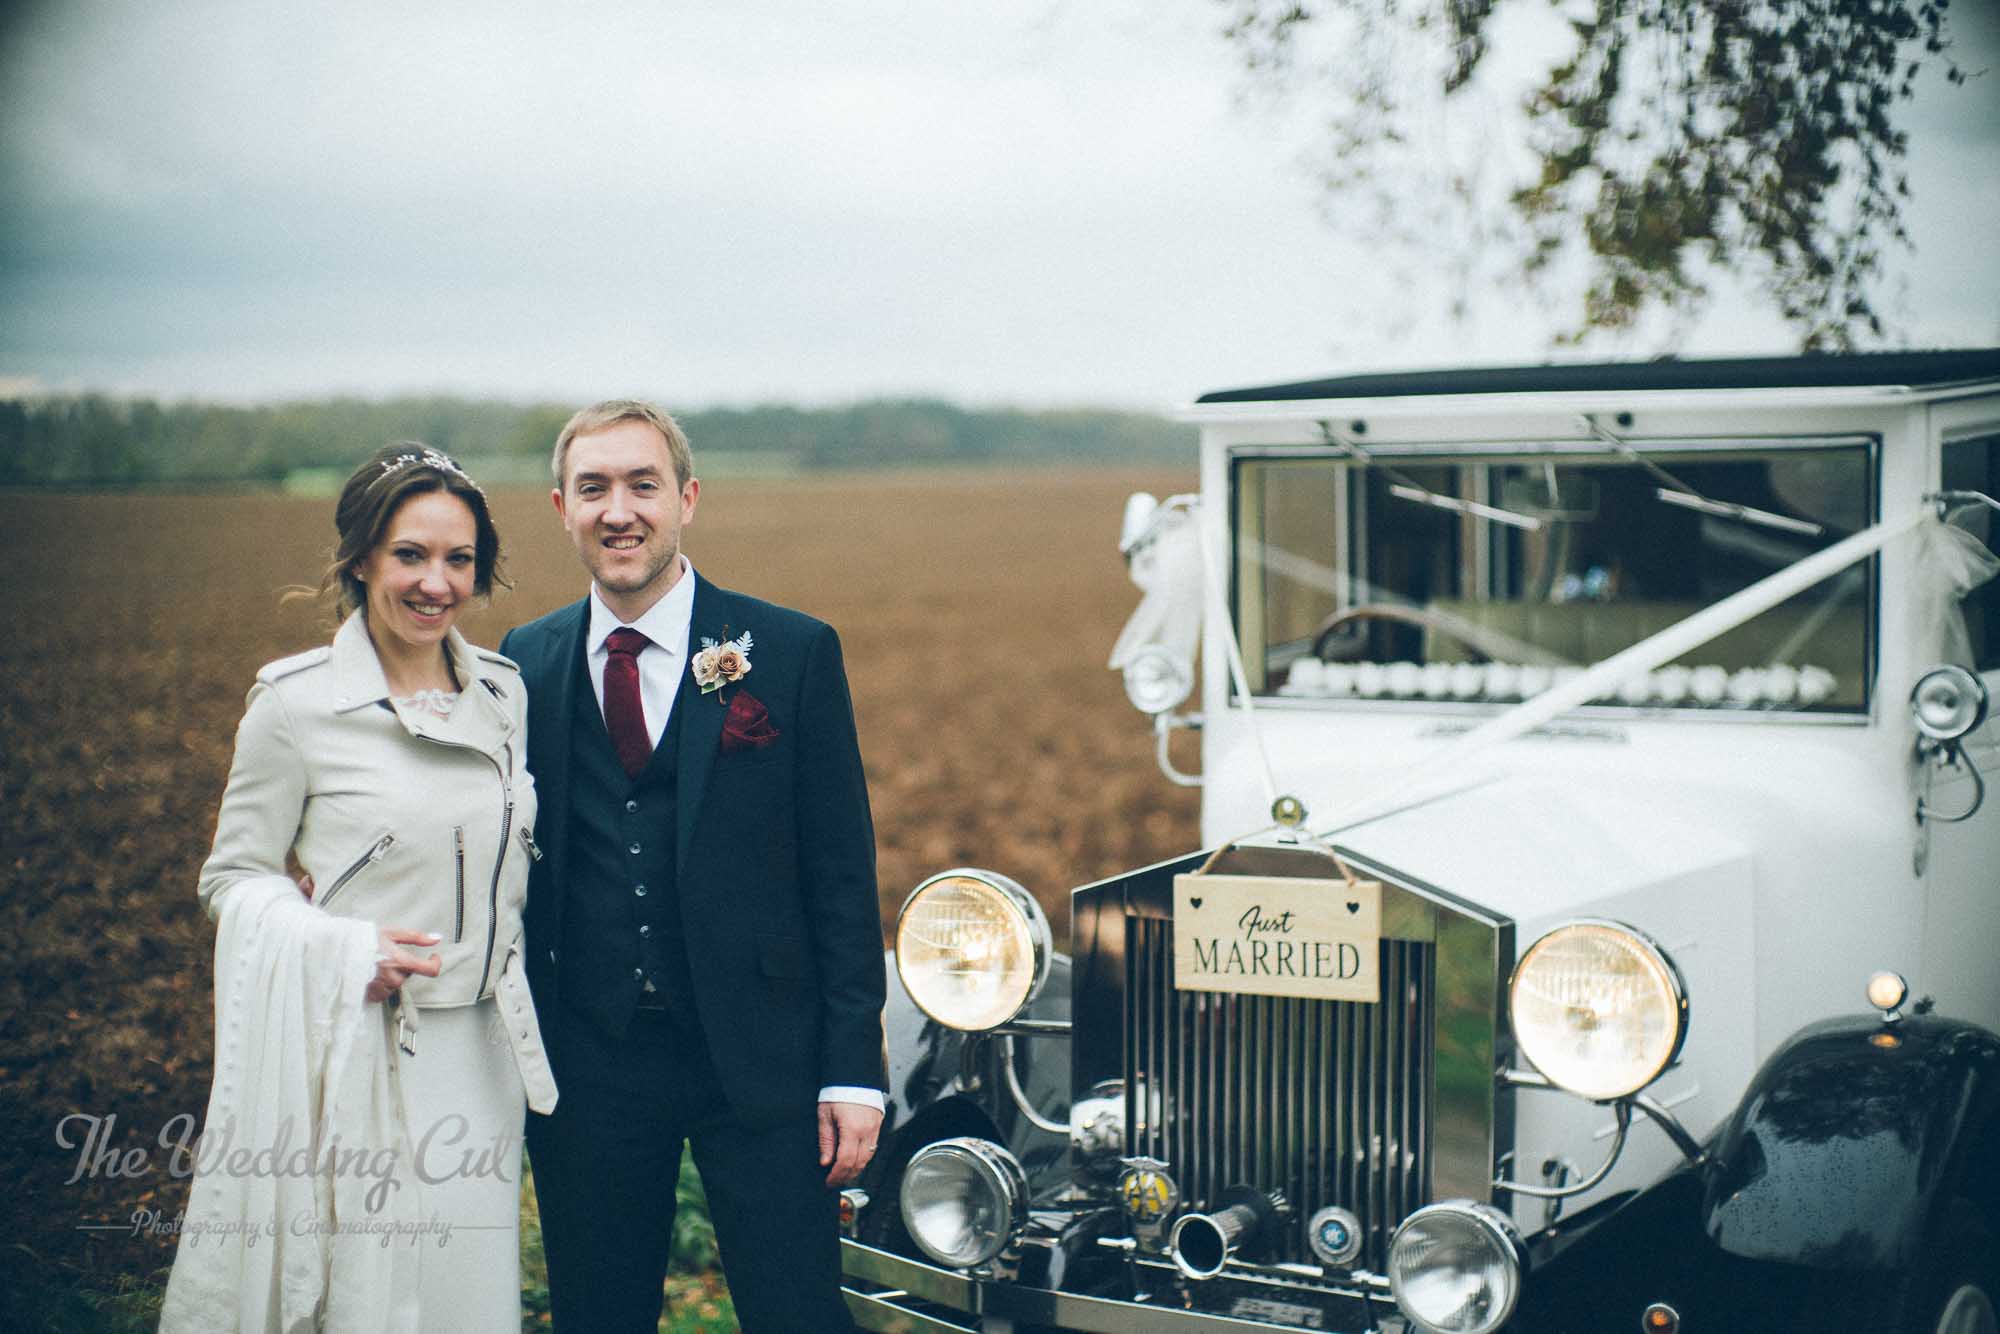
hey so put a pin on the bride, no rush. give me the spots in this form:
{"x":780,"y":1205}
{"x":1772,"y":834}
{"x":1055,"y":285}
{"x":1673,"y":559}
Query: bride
{"x":375,"y":1043}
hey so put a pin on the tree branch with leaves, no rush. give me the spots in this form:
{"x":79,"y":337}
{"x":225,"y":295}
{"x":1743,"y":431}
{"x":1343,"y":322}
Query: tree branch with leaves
{"x":1673,"y":140}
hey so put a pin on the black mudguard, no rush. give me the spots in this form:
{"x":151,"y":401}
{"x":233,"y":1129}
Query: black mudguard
{"x":1823,"y":1199}
{"x":944,"y":1083}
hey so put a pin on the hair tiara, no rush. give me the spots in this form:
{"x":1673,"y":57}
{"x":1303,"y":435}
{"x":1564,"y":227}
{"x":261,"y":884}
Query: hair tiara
{"x":427,"y":458}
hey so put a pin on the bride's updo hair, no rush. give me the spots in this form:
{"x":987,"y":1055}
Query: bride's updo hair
{"x":370,"y":499}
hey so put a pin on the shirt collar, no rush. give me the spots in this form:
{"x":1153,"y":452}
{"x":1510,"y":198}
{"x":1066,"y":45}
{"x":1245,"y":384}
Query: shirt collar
{"x":666,"y":622}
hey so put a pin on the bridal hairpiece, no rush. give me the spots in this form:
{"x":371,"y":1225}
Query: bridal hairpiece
{"x":429,"y":458}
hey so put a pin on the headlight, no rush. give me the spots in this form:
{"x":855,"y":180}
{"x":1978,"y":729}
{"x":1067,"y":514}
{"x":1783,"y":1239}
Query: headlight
{"x":972,"y":948}
{"x":1598,"y":1008}
{"x":964,"y":1200}
{"x":1947,"y":703}
{"x":1156,"y":679}
{"x":1455,"y":1268}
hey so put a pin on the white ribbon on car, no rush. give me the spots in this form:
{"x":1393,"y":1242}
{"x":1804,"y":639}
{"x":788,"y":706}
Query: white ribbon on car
{"x":1166,"y":565}
{"x":1174,"y":565}
{"x":1678,"y":639}
{"x":1956,"y":561}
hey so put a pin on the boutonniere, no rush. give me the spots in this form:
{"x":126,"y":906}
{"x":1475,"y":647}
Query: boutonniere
{"x":726,"y":663}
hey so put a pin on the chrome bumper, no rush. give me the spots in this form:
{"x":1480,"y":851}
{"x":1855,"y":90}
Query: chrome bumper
{"x":897,"y":1296}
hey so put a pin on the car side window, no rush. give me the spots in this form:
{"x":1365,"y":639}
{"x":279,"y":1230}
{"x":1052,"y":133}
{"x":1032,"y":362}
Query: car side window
{"x":1974,"y":465}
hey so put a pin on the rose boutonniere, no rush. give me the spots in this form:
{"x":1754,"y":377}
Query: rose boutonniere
{"x":721,"y":664}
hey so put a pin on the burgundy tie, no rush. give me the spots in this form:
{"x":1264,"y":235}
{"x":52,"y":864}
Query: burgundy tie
{"x":624,"y":713}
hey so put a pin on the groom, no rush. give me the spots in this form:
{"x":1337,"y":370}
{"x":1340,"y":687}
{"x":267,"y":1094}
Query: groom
{"x":703,"y":937}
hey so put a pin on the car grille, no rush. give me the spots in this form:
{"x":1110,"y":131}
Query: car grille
{"x":1326,"y":1101}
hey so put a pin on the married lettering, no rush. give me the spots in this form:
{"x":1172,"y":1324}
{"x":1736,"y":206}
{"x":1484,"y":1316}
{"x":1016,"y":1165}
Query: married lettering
{"x":1311,"y":960}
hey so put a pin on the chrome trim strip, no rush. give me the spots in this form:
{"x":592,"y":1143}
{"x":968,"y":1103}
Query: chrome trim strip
{"x":1600,"y":718}
{"x":1529,"y":449}
{"x":884,"y":1316}
{"x":928,"y":1282}
{"x":1099,"y":1315}
{"x":1088,"y":1315}
{"x":1300,"y":1278}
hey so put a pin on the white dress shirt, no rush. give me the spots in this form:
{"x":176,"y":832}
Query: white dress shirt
{"x":668,"y":623}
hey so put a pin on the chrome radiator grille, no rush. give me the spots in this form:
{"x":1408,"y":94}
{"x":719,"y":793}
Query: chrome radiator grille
{"x":1326,"y":1101}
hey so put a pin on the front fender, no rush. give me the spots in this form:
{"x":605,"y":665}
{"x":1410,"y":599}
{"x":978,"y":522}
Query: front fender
{"x":1851,"y":1137}
{"x":1817,"y":1198}
{"x":931,"y":1066}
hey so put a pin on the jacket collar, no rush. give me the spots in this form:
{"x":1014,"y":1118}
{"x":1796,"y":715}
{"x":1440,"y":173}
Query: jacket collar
{"x":481,"y":720}
{"x":357,"y":672}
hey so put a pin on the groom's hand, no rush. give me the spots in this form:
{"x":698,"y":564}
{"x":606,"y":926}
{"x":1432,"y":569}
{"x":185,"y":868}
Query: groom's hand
{"x":847,"y":1134}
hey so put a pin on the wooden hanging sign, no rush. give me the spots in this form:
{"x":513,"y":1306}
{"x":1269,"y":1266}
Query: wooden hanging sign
{"x":1278,"y":936}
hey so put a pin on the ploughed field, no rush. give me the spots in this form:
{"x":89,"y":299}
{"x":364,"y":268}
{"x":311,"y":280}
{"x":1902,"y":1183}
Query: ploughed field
{"x":976,"y":611}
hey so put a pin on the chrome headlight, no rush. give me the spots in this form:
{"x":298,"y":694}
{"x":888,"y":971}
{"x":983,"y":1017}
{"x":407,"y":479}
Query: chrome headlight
{"x":1947,"y":703}
{"x":1455,"y":1268}
{"x":964,"y":1201}
{"x":972,"y":948}
{"x":1598,"y":1008}
{"x":1157,"y":679}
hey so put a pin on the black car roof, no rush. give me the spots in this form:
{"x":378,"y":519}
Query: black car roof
{"x":1910,"y":369}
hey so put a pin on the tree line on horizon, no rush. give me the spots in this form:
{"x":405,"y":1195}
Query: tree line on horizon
{"x":95,"y":440}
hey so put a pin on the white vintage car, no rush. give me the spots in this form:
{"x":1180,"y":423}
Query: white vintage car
{"x":1599,"y":924}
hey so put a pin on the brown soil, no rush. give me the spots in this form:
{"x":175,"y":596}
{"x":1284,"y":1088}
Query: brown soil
{"x":976,"y":612}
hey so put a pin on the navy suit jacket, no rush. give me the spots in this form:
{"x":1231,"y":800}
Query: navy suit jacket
{"x":776,"y":853}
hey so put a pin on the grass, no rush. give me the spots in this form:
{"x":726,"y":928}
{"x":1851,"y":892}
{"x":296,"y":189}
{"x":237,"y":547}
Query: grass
{"x":55,"y":1297}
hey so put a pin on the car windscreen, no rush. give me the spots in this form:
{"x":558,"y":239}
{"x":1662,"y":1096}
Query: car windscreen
{"x":1489,"y":577}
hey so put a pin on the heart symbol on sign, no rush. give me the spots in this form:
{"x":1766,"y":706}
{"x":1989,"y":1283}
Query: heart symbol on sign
{"x":1195,"y":902}
{"x":1354,"y":907}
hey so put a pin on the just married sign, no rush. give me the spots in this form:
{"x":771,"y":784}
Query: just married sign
{"x":1278,"y":936}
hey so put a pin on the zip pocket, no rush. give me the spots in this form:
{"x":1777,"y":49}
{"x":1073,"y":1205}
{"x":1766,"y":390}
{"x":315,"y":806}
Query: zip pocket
{"x":458,"y":855}
{"x":528,"y":841}
{"x":375,"y":852}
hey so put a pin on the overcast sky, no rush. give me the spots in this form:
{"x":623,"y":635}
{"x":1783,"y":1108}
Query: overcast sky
{"x":1037,"y":203}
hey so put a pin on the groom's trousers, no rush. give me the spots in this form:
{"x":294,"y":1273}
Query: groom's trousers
{"x":606,"y":1163}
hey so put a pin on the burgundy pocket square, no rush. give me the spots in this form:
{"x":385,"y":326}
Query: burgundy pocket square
{"x":747,"y":725}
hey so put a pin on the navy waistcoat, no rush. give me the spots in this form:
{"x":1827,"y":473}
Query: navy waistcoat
{"x":622,"y":921}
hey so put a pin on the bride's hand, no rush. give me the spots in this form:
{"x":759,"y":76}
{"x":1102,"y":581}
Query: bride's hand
{"x":393,"y":964}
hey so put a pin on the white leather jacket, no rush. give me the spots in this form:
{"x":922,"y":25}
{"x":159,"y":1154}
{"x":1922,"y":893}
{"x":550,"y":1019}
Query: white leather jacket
{"x":402,"y":819}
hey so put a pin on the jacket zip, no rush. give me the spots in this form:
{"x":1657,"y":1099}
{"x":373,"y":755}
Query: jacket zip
{"x":493,"y":893}
{"x":458,"y":852}
{"x":374,"y":854}
{"x":528,"y":841}
{"x":500,"y":860}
